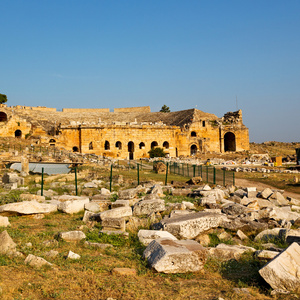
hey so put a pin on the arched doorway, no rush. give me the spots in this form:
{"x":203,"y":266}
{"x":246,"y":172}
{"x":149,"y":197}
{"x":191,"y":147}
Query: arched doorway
{"x":119,"y":145}
{"x":75,"y":149}
{"x":142,"y":145}
{"x":131,"y":149}
{"x":3,"y":116}
{"x":52,"y":142}
{"x":106,"y":145}
{"x":229,"y":142}
{"x":18,"y":134}
{"x":154,"y":144}
{"x":91,"y":147}
{"x":166,"y":145}
{"x":193,"y":149}
{"x":193,"y":134}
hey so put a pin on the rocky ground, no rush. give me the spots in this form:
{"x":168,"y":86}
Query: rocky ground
{"x":150,"y":241}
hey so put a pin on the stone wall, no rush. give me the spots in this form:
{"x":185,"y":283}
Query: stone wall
{"x":78,"y":110}
{"x":142,"y":109}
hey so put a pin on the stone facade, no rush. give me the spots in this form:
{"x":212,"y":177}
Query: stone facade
{"x":127,"y":133}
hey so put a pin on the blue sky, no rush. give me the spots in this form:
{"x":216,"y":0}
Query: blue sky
{"x":185,"y":54}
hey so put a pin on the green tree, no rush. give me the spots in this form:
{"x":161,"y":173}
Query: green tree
{"x":3,"y":98}
{"x":165,"y":109}
{"x":157,"y":152}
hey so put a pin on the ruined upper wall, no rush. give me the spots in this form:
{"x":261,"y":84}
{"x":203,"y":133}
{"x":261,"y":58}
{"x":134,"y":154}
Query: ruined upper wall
{"x":79,"y":110}
{"x":142,"y":109}
{"x":233,"y":117}
{"x":39,"y":108}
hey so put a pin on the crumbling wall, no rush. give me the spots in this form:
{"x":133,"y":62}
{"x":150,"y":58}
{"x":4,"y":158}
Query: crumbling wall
{"x":233,"y":117}
{"x":78,"y":110}
{"x":133,"y":109}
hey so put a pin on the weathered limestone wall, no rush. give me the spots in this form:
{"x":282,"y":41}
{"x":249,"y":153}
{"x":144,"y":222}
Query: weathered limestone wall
{"x":38,"y":108}
{"x":78,"y":110}
{"x":133,"y":109}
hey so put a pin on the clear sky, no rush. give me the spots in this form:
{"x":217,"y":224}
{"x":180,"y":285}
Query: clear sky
{"x":185,"y":54}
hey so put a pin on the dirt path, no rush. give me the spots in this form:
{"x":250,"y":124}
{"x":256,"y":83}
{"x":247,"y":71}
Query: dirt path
{"x":261,"y":186}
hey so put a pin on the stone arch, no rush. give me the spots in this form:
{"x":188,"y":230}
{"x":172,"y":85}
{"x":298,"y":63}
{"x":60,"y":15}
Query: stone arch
{"x":142,"y":145}
{"x":18,"y":133}
{"x":3,"y":116}
{"x":229,"y":142}
{"x":91,"y":147}
{"x":193,"y":134}
{"x":106,"y":145}
{"x":131,"y":149}
{"x":52,"y":142}
{"x":166,"y":145}
{"x":194,"y":149}
{"x":154,"y":144}
{"x":119,"y":145}
{"x":75,"y":149}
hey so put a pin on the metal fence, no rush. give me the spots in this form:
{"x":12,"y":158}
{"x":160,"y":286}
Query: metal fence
{"x":209,"y":174}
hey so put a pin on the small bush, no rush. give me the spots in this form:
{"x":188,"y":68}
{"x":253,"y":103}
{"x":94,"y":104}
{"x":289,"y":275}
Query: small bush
{"x":157,"y":152}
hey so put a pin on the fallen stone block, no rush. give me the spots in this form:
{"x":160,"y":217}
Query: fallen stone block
{"x":191,"y":225}
{"x":27,"y":208}
{"x":119,"y":212}
{"x":73,"y":206}
{"x":29,"y":197}
{"x":227,"y":252}
{"x":283,"y":213}
{"x":266,"y":193}
{"x":72,"y":236}
{"x":271,"y":234}
{"x":72,"y":255}
{"x":169,"y":256}
{"x":146,"y":207}
{"x":266,"y":254}
{"x":120,"y":203}
{"x":92,"y":207}
{"x":113,"y":224}
{"x":283,"y":272}
{"x":251,"y":192}
{"x":97,"y":245}
{"x":147,"y":236}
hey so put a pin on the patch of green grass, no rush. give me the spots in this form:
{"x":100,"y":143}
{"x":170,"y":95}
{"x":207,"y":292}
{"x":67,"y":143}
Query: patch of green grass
{"x":214,"y":240}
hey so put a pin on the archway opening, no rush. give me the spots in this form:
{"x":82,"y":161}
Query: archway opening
{"x":154,"y":144}
{"x":131,"y":149}
{"x":52,"y":142}
{"x":91,"y":147}
{"x":166,"y":145}
{"x":193,"y":134}
{"x":106,"y":145}
{"x":119,"y":145}
{"x":75,"y":149}
{"x":18,"y":134}
{"x":229,"y":142}
{"x":193,"y":150}
{"x":3,"y":116}
{"x":142,"y":145}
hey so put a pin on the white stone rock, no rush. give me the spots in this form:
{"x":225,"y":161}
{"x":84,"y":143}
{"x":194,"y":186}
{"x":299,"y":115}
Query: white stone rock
{"x":226,"y":252}
{"x":36,"y":261}
{"x":169,"y":256}
{"x":283,"y":272}
{"x":72,"y":255}
{"x":188,"y":205}
{"x":30,"y":197}
{"x":92,"y":206}
{"x":90,"y":185}
{"x":105,"y":191}
{"x":119,"y":212}
{"x":251,"y":192}
{"x":6,"y":243}
{"x":283,"y":213}
{"x":146,"y":207}
{"x":147,"y":236}
{"x":72,"y":236}
{"x":27,"y":208}
{"x":4,"y":221}
{"x":73,"y":206}
{"x":266,"y":254}
{"x":191,"y":225}
{"x":293,"y":235}
{"x":266,"y":193}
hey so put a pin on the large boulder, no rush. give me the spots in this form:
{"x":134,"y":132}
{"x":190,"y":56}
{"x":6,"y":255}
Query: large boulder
{"x":169,"y":256}
{"x":146,"y":207}
{"x":189,"y":226}
{"x":147,"y":236}
{"x":27,"y":208}
{"x":6,"y":243}
{"x":283,"y":272}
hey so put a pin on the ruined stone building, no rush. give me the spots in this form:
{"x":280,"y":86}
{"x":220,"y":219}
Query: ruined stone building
{"x":126,"y":132}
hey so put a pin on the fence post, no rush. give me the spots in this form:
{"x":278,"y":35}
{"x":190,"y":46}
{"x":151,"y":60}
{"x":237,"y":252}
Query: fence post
{"x":110,"y":179}
{"x":138,"y":173}
{"x":42,"y":183}
{"x":166,"y":181}
{"x":207,"y":174}
{"x":182,"y":170}
{"x":224,"y":175}
{"x":194,"y":170}
{"x":201,"y":171}
{"x":233,"y":178}
{"x":76,"y":181}
{"x":214,"y":175}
